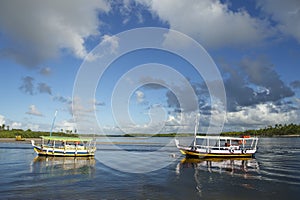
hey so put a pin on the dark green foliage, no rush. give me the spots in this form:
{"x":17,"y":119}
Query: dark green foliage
{"x":269,"y":131}
{"x":30,"y":134}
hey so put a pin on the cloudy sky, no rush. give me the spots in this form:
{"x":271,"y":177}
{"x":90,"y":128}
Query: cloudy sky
{"x":44,"y":44}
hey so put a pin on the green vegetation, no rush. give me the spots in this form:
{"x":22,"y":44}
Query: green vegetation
{"x":270,"y":131}
{"x":30,"y":134}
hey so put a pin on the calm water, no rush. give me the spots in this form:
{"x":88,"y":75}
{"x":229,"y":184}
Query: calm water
{"x":273,"y":174}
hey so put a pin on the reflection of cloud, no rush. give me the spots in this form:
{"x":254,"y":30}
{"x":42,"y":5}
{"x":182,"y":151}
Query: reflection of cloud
{"x":34,"y":111}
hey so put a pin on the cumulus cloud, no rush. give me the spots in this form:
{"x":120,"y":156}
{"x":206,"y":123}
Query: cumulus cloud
{"x":39,"y":30}
{"x":212,"y":23}
{"x":253,"y":82}
{"x":34,"y":111}
{"x":285,"y":14}
{"x":262,"y":115}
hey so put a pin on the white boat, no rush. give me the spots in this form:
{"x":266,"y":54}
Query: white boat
{"x":219,"y":146}
{"x":65,"y":146}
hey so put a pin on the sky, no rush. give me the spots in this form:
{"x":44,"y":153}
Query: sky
{"x":250,"y":80}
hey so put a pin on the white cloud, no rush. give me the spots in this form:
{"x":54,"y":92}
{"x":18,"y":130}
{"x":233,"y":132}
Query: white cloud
{"x":112,"y":42}
{"x":2,"y":120}
{"x":33,"y":127}
{"x":261,"y":115}
{"x":48,"y":27}
{"x":34,"y":111}
{"x":139,"y":96}
{"x":16,"y":125}
{"x":66,"y":125}
{"x":210,"y":22}
{"x":285,"y":13}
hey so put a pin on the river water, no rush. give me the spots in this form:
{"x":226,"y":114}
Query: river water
{"x":274,"y":173}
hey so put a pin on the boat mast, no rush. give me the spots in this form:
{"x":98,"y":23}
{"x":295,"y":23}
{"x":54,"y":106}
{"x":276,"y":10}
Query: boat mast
{"x":196,"y":128}
{"x":53,"y":123}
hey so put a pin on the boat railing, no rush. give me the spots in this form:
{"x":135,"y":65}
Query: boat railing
{"x":230,"y":146}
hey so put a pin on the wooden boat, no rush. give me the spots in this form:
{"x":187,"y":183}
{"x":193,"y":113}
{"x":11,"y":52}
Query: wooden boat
{"x":219,"y":146}
{"x":65,"y":146}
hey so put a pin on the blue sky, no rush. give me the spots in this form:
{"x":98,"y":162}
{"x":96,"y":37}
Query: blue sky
{"x":254,"y":44}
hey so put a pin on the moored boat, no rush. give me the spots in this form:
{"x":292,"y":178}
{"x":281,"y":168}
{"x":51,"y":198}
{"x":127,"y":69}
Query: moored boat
{"x":219,"y":146}
{"x":65,"y":146}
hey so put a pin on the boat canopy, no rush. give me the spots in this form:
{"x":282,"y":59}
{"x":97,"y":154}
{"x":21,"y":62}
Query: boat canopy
{"x":225,"y":137}
{"x":67,"y":139}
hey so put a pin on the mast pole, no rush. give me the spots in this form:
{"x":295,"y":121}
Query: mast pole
{"x":53,"y":123}
{"x":196,"y":128}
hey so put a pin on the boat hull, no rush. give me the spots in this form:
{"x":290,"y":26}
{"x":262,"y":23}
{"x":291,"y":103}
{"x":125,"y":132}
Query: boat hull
{"x":63,"y":152}
{"x":217,"y":153}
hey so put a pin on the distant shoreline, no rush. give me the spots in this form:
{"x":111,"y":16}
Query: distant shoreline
{"x":28,"y":140}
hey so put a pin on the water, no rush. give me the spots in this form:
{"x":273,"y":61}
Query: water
{"x":273,"y":174}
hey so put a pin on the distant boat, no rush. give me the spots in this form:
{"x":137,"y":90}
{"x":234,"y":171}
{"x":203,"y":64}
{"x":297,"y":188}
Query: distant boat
{"x":219,"y":146}
{"x":65,"y":146}
{"x":19,"y":138}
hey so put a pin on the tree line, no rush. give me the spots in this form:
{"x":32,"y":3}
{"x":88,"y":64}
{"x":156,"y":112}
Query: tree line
{"x":269,"y":131}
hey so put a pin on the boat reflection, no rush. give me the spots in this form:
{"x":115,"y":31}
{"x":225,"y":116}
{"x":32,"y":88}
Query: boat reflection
{"x":234,"y":166}
{"x":57,"y":166}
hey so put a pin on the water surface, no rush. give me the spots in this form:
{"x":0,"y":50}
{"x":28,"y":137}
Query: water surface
{"x":273,"y":174}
